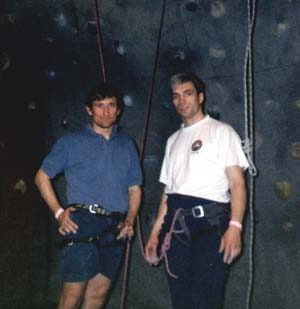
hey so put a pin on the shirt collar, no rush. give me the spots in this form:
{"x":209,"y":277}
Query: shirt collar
{"x":115,"y":129}
{"x":195,"y":124}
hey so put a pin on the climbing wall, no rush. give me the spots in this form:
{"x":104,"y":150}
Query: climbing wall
{"x":49,"y":59}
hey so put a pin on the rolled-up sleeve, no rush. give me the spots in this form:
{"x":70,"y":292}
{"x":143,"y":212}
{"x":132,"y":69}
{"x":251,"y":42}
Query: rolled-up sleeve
{"x":55,"y":162}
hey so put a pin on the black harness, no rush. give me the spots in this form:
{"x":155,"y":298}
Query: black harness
{"x":212,"y":212}
{"x":107,"y":238}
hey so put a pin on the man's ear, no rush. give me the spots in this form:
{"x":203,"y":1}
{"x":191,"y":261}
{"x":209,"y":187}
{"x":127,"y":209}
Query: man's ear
{"x":88,"y":110}
{"x":201,"y":97}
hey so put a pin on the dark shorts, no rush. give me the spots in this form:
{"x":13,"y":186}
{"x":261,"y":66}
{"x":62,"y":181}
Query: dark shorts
{"x":82,"y":261}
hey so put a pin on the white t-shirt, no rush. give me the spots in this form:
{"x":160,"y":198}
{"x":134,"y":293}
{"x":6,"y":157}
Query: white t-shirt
{"x":196,"y":158}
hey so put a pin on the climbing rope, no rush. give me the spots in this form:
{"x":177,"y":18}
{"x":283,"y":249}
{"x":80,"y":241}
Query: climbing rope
{"x":145,"y":128}
{"x":148,"y":110}
{"x":99,"y":37}
{"x":167,"y":242}
{"x":248,"y":145}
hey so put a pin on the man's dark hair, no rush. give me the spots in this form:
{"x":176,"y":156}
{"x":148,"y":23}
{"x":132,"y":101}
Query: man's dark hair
{"x":102,"y":91}
{"x":186,"y":77}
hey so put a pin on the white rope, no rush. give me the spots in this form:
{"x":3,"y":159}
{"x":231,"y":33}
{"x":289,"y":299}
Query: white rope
{"x":249,"y":137}
{"x":247,"y":147}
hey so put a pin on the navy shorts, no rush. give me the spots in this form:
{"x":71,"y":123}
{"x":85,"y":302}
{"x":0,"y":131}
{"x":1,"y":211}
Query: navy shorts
{"x":83,"y":261}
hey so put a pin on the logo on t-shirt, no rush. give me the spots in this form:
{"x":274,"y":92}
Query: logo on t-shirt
{"x":196,"y":145}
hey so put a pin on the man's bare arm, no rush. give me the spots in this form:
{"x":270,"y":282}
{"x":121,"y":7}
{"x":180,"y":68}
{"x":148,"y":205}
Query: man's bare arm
{"x":135,"y":196}
{"x":43,"y":182}
{"x":151,"y":246}
{"x":231,"y":240}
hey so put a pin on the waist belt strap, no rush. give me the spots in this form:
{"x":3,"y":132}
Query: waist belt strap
{"x":97,"y":209}
{"x":106,"y":239}
{"x":208,"y":211}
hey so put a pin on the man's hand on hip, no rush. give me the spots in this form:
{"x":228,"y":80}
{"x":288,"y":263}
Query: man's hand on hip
{"x":66,"y":225}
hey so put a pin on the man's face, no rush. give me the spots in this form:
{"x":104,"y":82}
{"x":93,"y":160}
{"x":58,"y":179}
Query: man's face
{"x":104,"y":113}
{"x":187,"y":102}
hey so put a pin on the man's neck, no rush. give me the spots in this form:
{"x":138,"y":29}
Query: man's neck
{"x":105,"y":132}
{"x":191,"y":121}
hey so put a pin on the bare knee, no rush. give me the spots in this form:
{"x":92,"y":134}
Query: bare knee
{"x":71,"y":295}
{"x":96,"y":292}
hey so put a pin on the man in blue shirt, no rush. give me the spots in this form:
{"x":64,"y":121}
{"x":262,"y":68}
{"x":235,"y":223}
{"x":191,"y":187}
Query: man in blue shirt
{"x":103,"y":176}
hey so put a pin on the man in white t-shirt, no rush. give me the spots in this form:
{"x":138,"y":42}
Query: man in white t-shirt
{"x":199,"y":222}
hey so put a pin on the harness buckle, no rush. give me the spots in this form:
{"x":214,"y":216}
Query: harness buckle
{"x":198,"y":211}
{"x":91,"y":209}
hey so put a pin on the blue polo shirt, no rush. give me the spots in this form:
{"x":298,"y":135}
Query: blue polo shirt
{"x":97,"y":171}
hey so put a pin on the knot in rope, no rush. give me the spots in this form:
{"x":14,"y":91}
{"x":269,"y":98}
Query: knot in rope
{"x":247,"y":147}
{"x":167,"y":242}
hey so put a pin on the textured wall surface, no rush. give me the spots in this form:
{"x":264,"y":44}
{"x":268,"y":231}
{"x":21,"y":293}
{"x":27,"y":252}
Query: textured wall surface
{"x":49,"y":58}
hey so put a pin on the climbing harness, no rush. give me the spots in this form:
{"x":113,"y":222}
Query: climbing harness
{"x":212,"y":212}
{"x":106,"y":239}
{"x":98,"y":209}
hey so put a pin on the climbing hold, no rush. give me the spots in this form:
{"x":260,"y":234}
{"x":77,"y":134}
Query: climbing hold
{"x":128,"y":101}
{"x":50,"y":40}
{"x":120,"y":49}
{"x":287,"y":226}
{"x":217,"y":9}
{"x":51,"y":74}
{"x":296,"y":151}
{"x":216,"y":52}
{"x":21,"y":186}
{"x":283,"y":189}
{"x":92,"y":29}
{"x":180,"y":55}
{"x":279,"y":28}
{"x":31,"y":106}
{"x":4,"y":61}
{"x":191,"y":5}
{"x":65,"y":123}
{"x":8,"y":19}
{"x":296,"y":103}
{"x":60,"y":20}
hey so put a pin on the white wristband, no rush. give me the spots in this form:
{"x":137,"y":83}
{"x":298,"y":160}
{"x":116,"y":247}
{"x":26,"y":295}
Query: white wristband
{"x":236,"y":224}
{"x":58,"y":213}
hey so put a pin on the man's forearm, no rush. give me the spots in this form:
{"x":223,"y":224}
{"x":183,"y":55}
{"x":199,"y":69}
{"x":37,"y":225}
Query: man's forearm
{"x":135,"y":196}
{"x":45,"y":187}
{"x":238,"y":192}
{"x":160,"y":216}
{"x":238,"y":203}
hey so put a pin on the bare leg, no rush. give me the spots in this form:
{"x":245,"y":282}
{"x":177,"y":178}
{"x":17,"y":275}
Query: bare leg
{"x":71,"y":295}
{"x":96,"y":292}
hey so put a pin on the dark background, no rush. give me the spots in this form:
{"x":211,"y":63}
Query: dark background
{"x":49,"y":59}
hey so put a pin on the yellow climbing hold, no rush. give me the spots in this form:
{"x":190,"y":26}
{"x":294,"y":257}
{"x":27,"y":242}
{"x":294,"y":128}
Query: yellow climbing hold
{"x":296,"y":151}
{"x":283,"y":189}
{"x":21,"y":186}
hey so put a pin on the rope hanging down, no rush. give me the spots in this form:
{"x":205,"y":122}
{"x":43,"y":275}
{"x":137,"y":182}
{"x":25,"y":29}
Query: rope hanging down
{"x":249,"y":137}
{"x":148,"y":110}
{"x":99,"y":37}
{"x":145,"y":128}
